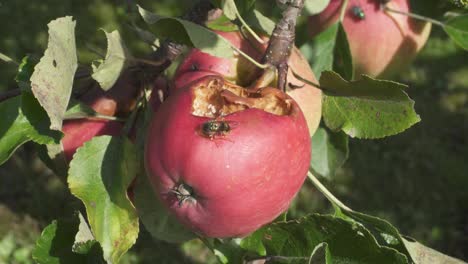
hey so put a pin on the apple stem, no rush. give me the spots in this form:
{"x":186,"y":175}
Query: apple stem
{"x":249,"y":29}
{"x":415,"y":16}
{"x":327,"y":193}
{"x":316,"y":85}
{"x":97,"y":116}
{"x":282,"y":40}
{"x":343,"y":10}
{"x":252,"y":60}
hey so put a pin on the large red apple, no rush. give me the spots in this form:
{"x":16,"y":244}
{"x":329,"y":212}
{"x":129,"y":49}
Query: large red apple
{"x":382,"y":43}
{"x":198,"y":64}
{"x":226,"y":160}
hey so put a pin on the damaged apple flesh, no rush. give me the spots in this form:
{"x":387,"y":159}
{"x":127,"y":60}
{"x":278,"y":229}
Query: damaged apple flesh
{"x":230,"y":182}
{"x":242,"y":72}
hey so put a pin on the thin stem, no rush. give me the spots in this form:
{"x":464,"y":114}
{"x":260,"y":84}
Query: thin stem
{"x":343,"y":10}
{"x":149,"y":62}
{"x":96,"y":116}
{"x":327,"y":193}
{"x":270,"y":258}
{"x":256,"y":63}
{"x":316,"y":85}
{"x":415,"y":16}
{"x":244,"y":24}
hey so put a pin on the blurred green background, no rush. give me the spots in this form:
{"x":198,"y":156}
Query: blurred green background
{"x":417,"y":180}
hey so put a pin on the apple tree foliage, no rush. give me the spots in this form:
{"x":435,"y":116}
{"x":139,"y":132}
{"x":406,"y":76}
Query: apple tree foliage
{"x":103,"y":168}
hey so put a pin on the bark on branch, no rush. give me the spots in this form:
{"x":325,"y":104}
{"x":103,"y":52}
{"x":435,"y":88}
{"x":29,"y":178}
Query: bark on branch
{"x":282,"y":39}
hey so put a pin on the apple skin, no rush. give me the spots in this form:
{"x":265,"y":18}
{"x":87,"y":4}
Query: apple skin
{"x":237,"y":69}
{"x":119,"y":100}
{"x":198,"y":64}
{"x":240,"y":181}
{"x":383,"y":43}
{"x":77,"y":132}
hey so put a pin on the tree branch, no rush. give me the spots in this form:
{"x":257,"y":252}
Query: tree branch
{"x":282,"y":39}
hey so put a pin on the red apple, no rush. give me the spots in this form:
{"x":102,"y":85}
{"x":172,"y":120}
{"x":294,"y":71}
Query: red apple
{"x":77,"y":132}
{"x":382,"y":43}
{"x":198,"y":64}
{"x":119,"y":100}
{"x":226,"y":160}
{"x":238,"y":69}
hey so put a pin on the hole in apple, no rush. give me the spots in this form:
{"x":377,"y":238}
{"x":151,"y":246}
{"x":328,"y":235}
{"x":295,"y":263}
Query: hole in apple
{"x":215,"y":97}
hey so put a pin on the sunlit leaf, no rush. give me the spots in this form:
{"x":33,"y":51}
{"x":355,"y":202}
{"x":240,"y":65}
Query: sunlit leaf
{"x":367,"y":108}
{"x":347,"y":242}
{"x":23,"y":120}
{"x":52,"y":79}
{"x":188,"y":33}
{"x":99,"y":175}
{"x":108,"y":72}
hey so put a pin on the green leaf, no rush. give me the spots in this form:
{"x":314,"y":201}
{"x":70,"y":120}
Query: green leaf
{"x":25,"y":69}
{"x":330,"y":50}
{"x":52,"y":79}
{"x":457,"y":29}
{"x":55,"y":244}
{"x":229,"y":9}
{"x":347,"y":242}
{"x":84,"y":239}
{"x":222,"y":24}
{"x":244,"y":6}
{"x":146,"y":36}
{"x":77,"y":110}
{"x":313,"y":7}
{"x":259,"y":21}
{"x":367,"y":108}
{"x":188,"y":33}
{"x":155,"y":217}
{"x":99,"y":175}
{"x":329,"y":151}
{"x":385,"y":234}
{"x":23,"y":120}
{"x":108,"y":72}
{"x":343,"y":61}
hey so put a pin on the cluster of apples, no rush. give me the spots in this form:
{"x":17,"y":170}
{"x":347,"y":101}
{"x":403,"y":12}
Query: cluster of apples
{"x":226,"y":157}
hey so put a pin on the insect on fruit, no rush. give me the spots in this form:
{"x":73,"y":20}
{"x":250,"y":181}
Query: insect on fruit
{"x":358,"y":12}
{"x":214,"y":128}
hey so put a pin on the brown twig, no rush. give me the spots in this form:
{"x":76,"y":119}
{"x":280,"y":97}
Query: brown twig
{"x":282,"y":39}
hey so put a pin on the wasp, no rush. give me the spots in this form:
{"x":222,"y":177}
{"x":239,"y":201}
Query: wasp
{"x":216,"y":128}
{"x":358,"y":12}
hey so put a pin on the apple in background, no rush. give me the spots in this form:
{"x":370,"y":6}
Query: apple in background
{"x":119,"y":100}
{"x":242,"y":72}
{"x":382,"y":43}
{"x":224,"y":159}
